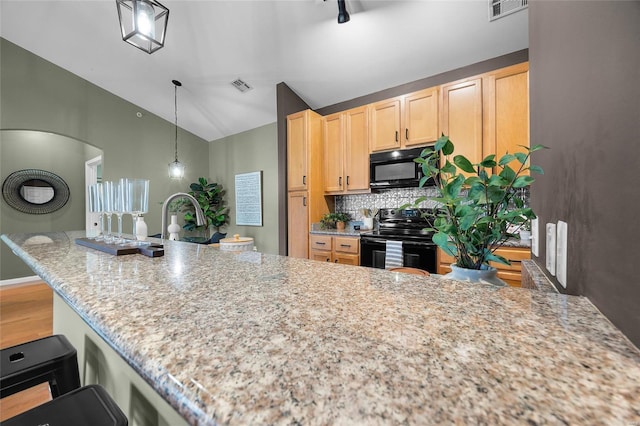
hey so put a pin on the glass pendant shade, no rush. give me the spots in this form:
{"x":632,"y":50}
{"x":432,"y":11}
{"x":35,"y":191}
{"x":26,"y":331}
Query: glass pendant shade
{"x":143,"y":23}
{"x":176,"y":170}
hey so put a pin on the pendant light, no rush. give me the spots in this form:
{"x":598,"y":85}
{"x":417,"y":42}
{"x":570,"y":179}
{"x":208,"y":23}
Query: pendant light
{"x":176,"y":169}
{"x":143,"y":23}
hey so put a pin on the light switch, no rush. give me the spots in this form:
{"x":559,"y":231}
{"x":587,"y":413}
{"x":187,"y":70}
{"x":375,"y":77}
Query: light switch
{"x":534,"y":237}
{"x":561,"y":253}
{"x":551,"y":248}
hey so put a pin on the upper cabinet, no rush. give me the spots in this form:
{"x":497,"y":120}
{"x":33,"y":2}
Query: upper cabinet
{"x":420,"y":114}
{"x":346,"y":152}
{"x":404,"y":121}
{"x":462,"y":117}
{"x":506,"y":111}
{"x":303,"y":128}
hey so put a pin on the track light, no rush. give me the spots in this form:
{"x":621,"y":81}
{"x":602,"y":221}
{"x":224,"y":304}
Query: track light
{"x":343,"y":15}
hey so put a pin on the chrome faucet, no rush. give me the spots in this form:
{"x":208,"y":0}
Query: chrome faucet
{"x":200,"y":219}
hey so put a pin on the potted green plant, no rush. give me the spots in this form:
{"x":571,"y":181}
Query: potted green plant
{"x":479,"y":205}
{"x":210,"y":196}
{"x":335,"y":220}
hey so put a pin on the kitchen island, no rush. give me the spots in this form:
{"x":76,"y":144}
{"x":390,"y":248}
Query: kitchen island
{"x":251,"y":338}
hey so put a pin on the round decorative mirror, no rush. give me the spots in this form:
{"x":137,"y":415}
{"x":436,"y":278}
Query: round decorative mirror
{"x":35,"y":191}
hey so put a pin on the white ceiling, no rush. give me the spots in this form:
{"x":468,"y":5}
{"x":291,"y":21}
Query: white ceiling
{"x":212,"y":42}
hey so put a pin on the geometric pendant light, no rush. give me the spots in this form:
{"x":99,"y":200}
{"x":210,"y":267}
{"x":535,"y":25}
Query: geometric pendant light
{"x":176,"y":168}
{"x":143,"y":23}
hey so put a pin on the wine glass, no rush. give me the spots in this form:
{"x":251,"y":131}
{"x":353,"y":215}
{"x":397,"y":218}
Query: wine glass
{"x":96,"y":206}
{"x":108,"y":191}
{"x":139,"y":196}
{"x":119,"y":207}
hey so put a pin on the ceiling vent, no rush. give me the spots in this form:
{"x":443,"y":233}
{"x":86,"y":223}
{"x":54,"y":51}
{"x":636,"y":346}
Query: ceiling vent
{"x":241,"y":85}
{"x":500,"y":8}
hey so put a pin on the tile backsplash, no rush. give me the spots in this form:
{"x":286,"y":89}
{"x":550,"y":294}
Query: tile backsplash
{"x":392,"y":198}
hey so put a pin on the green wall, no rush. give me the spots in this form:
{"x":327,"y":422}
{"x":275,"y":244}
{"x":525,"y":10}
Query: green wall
{"x":54,"y":153}
{"x":38,"y":95}
{"x":250,"y":151}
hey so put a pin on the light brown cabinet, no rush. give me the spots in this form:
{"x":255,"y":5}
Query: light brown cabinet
{"x":306,"y":200}
{"x":346,"y":152}
{"x":488,"y":114}
{"x":404,"y":121}
{"x":462,"y":117}
{"x":336,"y":249}
{"x":506,"y":111}
{"x":298,"y":222}
{"x":511,"y":274}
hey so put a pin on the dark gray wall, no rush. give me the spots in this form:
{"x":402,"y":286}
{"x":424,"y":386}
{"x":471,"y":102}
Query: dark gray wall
{"x":585,"y":105}
{"x":436,"y":80}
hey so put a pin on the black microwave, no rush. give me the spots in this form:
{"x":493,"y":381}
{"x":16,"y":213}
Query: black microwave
{"x":396,"y":169}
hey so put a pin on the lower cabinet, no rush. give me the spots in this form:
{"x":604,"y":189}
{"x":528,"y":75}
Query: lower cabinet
{"x":511,"y":274}
{"x":337,"y":249}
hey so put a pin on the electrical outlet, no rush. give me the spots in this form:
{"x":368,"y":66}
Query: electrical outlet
{"x":551,"y":248}
{"x":561,"y":253}
{"x":534,"y":237}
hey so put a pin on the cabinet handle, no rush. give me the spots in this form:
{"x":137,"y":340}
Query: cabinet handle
{"x":336,"y":261}
{"x":345,"y":245}
{"x":304,"y":180}
{"x":320,"y":243}
{"x":396,"y":136}
{"x":347,"y":180}
{"x":304,"y":201}
{"x":406,"y":134}
{"x":340,"y":181}
{"x":328,"y":260}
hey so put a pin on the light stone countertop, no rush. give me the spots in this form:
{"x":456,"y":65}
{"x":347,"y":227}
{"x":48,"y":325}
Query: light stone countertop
{"x":278,"y":340}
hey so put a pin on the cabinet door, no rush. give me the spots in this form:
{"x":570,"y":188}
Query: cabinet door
{"x":385,"y":125}
{"x":346,"y":259}
{"x":357,"y":149}
{"x":320,"y":255}
{"x":348,"y":245}
{"x":333,"y":152}
{"x":297,"y":151}
{"x":421,"y":117}
{"x":507,"y":111}
{"x":462,"y":117}
{"x":298,"y":224}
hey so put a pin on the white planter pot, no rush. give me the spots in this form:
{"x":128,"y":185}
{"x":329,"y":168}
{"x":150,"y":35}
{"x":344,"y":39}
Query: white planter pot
{"x":487,"y":275}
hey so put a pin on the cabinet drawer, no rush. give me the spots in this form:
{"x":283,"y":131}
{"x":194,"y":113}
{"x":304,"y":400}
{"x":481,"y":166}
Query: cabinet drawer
{"x":346,"y":245}
{"x":320,"y":242}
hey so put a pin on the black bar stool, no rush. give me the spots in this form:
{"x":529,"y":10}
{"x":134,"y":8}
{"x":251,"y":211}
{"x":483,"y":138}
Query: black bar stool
{"x":53,"y":359}
{"x":89,"y":405}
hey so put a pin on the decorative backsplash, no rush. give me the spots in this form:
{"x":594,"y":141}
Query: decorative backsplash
{"x":392,"y":198}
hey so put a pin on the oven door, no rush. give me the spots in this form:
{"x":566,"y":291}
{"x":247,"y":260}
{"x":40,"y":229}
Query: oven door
{"x":416,"y":254}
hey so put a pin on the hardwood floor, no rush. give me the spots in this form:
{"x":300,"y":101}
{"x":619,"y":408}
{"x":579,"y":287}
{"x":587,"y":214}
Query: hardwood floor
{"x":26,"y":313}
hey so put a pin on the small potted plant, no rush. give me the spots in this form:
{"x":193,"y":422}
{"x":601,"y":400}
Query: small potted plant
{"x":479,"y":204}
{"x":335,"y":220}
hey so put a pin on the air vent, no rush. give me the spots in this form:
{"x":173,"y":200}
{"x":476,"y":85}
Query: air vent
{"x":241,"y":85}
{"x":500,"y":8}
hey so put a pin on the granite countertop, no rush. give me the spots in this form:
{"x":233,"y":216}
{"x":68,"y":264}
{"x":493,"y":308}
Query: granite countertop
{"x":278,"y":340}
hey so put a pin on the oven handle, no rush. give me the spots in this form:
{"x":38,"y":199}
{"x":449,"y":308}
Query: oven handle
{"x":383,"y":241}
